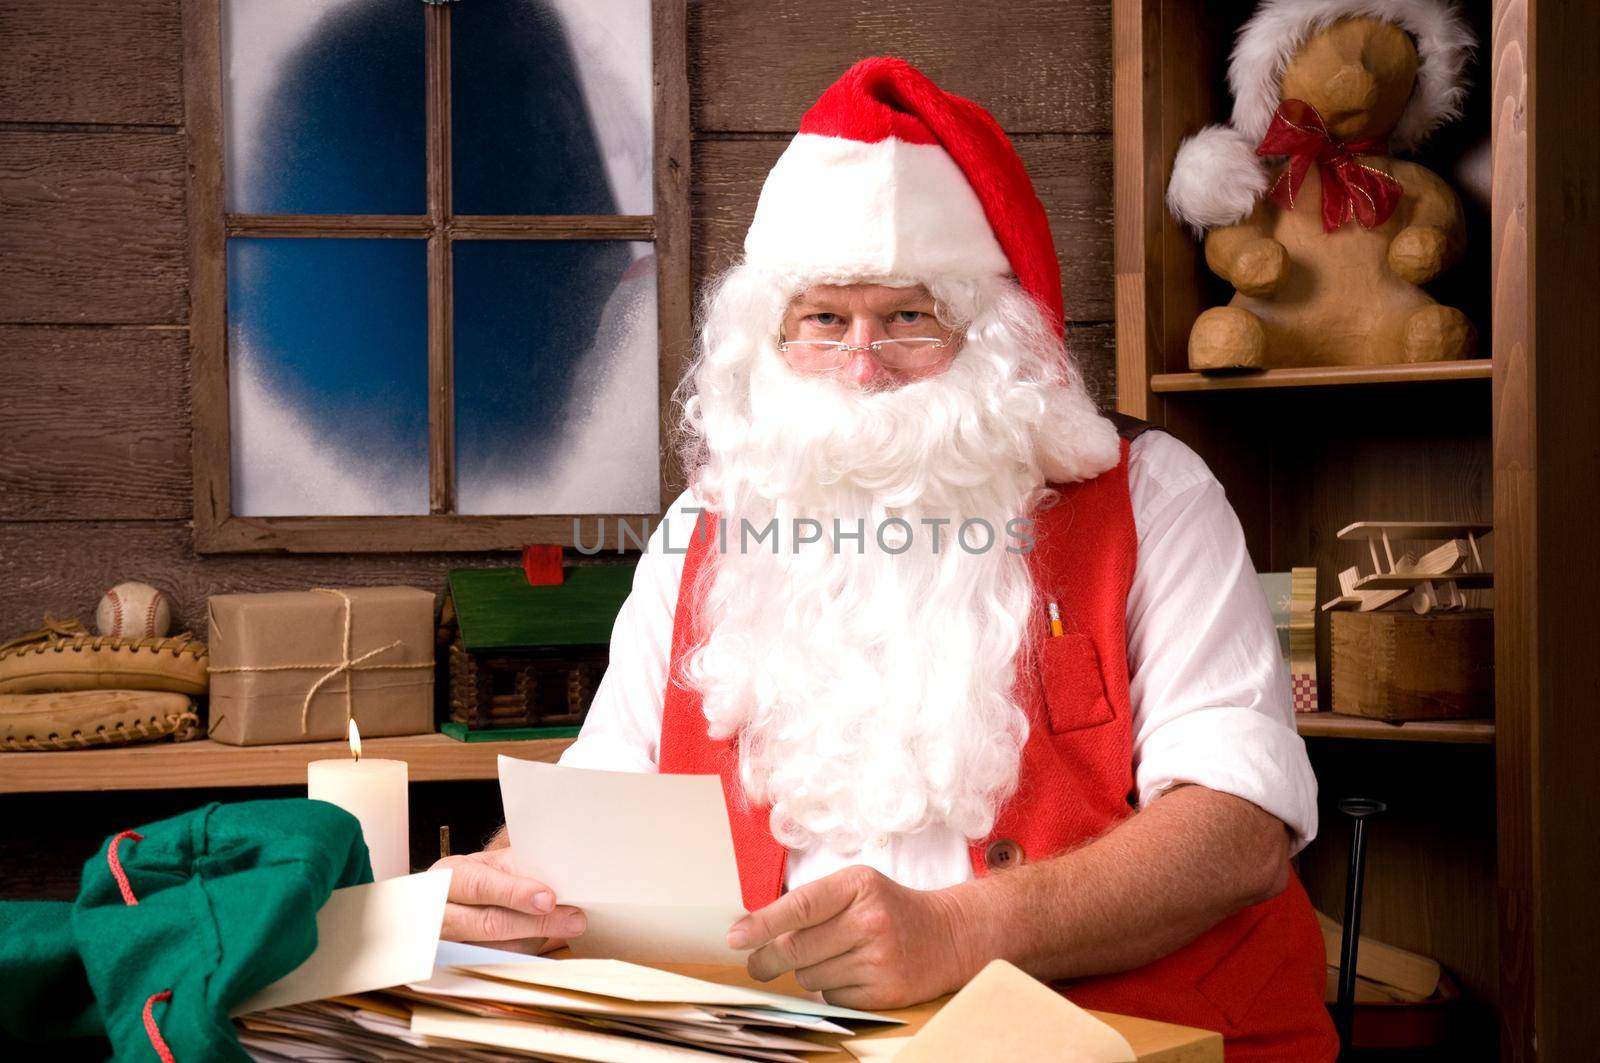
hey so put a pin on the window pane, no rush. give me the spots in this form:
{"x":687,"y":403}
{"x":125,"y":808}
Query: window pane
{"x":324,"y":106}
{"x":551,"y":106}
{"x":328,"y":367}
{"x":555,"y":374}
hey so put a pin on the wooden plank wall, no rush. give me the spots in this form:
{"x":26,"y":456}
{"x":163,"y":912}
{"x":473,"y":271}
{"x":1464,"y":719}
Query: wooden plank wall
{"x":95,"y":483}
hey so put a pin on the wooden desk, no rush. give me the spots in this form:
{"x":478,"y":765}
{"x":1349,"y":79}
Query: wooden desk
{"x":1155,"y":1042}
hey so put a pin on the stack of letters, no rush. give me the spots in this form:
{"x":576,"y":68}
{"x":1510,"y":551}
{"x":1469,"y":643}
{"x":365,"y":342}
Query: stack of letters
{"x":558,"y":1010}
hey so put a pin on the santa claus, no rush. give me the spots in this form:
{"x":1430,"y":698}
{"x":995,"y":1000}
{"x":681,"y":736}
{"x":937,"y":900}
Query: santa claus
{"x":985,"y":673}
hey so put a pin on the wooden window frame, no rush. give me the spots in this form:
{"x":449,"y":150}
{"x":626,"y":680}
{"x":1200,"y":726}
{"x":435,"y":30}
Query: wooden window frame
{"x":217,"y":529}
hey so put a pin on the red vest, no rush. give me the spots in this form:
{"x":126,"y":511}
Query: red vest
{"x":1257,"y":976}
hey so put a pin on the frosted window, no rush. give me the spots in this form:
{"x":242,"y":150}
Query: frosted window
{"x":555,"y":376}
{"x":324,"y":107}
{"x":328,"y":376}
{"x":551,"y":106}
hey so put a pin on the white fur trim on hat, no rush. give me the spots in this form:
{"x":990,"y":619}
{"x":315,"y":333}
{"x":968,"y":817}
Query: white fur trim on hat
{"x":1209,"y":182}
{"x":1268,"y":42}
{"x":835,"y":207}
{"x":1216,"y":179}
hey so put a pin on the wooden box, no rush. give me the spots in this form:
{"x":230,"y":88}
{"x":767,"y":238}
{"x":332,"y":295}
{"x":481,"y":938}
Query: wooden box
{"x":1396,"y":665}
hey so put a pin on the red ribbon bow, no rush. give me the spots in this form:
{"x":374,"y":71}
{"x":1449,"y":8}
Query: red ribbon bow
{"x":1350,"y":188}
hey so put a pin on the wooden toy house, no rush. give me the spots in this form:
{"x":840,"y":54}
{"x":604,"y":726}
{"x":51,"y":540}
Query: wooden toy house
{"x":526,"y":658}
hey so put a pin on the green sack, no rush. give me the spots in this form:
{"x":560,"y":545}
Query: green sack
{"x":227,"y":897}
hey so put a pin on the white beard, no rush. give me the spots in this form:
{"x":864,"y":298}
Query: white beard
{"x":872,"y":691}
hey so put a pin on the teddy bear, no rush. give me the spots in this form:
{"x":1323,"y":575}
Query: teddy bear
{"x":1325,"y":236}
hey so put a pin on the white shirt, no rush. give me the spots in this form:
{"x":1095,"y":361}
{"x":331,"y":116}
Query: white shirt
{"x":1208,"y":686}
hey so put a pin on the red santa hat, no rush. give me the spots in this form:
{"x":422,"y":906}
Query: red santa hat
{"x":891,"y":176}
{"x":1217,"y":176}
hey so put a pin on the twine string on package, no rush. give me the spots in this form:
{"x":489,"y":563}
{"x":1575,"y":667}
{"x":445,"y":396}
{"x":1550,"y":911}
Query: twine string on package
{"x":346,"y":666}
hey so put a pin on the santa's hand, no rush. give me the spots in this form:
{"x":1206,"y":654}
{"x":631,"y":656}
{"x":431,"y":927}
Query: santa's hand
{"x":491,"y":904}
{"x":861,"y":939}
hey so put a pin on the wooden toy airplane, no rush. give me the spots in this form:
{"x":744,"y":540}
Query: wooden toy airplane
{"x":1442,"y":578}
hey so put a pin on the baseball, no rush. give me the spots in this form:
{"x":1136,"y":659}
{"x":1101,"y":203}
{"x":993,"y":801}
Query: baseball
{"x":134,"y":611}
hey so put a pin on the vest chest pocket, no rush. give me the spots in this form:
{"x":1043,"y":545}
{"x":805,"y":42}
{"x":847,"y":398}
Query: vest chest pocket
{"x":1074,"y":692}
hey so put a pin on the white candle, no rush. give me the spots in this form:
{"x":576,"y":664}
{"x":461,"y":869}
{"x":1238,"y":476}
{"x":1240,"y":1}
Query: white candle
{"x":375,"y":792}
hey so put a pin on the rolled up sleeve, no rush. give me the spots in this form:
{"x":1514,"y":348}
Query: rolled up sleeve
{"x":1208,"y":684}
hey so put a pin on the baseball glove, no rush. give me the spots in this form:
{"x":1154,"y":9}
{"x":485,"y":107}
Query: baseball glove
{"x":63,"y":656}
{"x":84,"y":718}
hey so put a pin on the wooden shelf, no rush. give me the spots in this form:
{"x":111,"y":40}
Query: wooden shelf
{"x":1466,"y":444}
{"x":1322,"y":376}
{"x":204,"y":763}
{"x":1333,"y":725}
{"x":436,"y":758}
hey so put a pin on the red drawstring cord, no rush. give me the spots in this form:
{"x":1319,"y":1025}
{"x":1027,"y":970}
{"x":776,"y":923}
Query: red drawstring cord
{"x":116,"y":865}
{"x":157,"y":1042}
{"x":151,"y":1030}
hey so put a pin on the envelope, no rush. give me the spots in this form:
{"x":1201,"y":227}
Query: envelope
{"x":629,"y":981}
{"x":451,"y":984}
{"x":550,"y":1039}
{"x":1005,"y":1014}
{"x":648,"y":857}
{"x":368,"y":937}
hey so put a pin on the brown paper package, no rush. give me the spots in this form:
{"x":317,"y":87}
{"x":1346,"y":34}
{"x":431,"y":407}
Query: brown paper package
{"x":307,"y":628}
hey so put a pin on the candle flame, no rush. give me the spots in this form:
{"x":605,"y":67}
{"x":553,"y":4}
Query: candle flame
{"x":355,"y":740}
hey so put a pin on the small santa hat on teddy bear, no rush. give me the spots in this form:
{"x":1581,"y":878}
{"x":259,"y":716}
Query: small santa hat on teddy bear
{"x":1217,"y":177}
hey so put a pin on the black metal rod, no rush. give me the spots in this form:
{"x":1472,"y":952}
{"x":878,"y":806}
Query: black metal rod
{"x":1358,"y":809}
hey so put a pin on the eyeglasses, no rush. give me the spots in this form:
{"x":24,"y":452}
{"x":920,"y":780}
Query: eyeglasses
{"x":825,"y":356}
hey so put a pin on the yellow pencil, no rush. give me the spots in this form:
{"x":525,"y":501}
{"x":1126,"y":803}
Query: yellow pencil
{"x":1055,"y":620}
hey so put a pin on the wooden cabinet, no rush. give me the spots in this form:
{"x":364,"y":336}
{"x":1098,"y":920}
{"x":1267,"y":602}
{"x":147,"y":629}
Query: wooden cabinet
{"x":1488,"y":849}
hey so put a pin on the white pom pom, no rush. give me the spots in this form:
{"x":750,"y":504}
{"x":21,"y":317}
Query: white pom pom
{"x":1216,"y":179}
